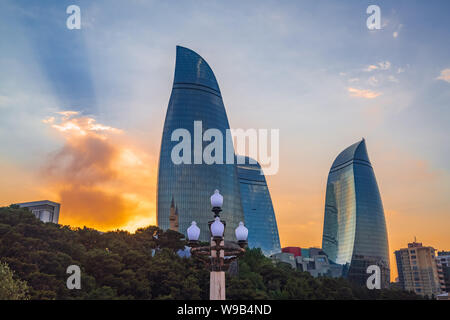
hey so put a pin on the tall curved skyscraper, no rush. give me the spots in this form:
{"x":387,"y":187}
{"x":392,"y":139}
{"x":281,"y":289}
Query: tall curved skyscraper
{"x":258,"y":209}
{"x":196,"y":97}
{"x":354,"y":231}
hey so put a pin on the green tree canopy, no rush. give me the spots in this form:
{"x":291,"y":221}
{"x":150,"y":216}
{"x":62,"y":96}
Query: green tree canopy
{"x":10,"y":288}
{"x":142,"y":265}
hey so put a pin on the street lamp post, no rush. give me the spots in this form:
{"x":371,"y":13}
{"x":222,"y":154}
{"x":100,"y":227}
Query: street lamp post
{"x":218,"y":255}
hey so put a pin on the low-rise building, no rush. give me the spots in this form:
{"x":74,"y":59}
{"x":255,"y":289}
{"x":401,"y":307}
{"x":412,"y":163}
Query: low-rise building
{"x":443,"y":296}
{"x":45,"y":210}
{"x":312,"y":260}
{"x":284,"y":257}
{"x":296,"y":251}
{"x":319,"y":265}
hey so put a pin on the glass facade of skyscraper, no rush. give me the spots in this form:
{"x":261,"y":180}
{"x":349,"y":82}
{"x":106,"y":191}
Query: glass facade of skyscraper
{"x":196,"y":97}
{"x":258,"y":209}
{"x":354,"y":232}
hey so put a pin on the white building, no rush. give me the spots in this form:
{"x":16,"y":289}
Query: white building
{"x":312,"y":260}
{"x":45,"y":210}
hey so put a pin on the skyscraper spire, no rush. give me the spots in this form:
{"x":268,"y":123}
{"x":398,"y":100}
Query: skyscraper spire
{"x":173,"y":216}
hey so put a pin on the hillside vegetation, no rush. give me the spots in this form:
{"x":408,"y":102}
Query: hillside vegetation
{"x":142,"y":265}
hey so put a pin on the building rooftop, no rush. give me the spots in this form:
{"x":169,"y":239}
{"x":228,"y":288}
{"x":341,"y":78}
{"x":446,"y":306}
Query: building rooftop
{"x":356,"y":151}
{"x":38,"y":203}
{"x":191,"y":68}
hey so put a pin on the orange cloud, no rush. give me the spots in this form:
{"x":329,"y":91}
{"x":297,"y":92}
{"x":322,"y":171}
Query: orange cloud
{"x":93,"y":207}
{"x":445,"y":75}
{"x":361,"y":93}
{"x":101,"y":180}
{"x":83,"y":161}
{"x":80,"y":125}
{"x":371,"y":68}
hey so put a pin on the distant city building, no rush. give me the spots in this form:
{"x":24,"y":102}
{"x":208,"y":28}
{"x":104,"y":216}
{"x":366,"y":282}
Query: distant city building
{"x":173,"y":217}
{"x":285,"y":257}
{"x":354,"y":232}
{"x":312,"y":260}
{"x":184,"y":253}
{"x":45,"y":210}
{"x":311,"y":252}
{"x":259,"y":214}
{"x":443,"y":296}
{"x":196,"y":96}
{"x":440,"y":272}
{"x":417,"y":269}
{"x":319,"y":265}
{"x":296,"y":251}
{"x":443,"y":261}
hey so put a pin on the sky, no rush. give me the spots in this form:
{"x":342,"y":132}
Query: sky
{"x":82,"y":111}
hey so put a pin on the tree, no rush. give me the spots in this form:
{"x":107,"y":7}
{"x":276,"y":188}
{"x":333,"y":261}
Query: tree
{"x":10,"y":288}
{"x":142,"y":265}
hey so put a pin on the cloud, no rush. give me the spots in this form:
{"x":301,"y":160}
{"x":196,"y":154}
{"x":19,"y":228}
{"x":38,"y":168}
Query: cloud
{"x":373,"y":81}
{"x":102,"y":181}
{"x":94,"y":207}
{"x":393,"y":79}
{"x":84,"y":161}
{"x":371,"y":68}
{"x":445,"y":75}
{"x":377,"y":75}
{"x":382,"y":65}
{"x":363,"y":93}
{"x":79,"y":125}
{"x":396,"y":32}
{"x":68,"y":114}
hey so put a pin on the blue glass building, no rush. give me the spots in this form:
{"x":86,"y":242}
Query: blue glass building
{"x":354,"y":231}
{"x":258,"y":209}
{"x":196,"y":97}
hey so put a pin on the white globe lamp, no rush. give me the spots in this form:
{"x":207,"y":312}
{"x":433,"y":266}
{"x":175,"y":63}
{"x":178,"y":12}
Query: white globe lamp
{"x":216,"y":199}
{"x":193,"y":232}
{"x":217,"y":228}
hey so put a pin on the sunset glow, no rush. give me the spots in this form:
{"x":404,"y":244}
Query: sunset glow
{"x":82,"y":111}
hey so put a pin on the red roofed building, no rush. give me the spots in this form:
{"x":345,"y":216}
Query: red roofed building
{"x":296,"y":251}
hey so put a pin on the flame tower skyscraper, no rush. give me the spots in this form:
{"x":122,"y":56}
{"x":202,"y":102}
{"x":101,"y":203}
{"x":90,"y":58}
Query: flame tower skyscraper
{"x":354,"y":231}
{"x":196,"y":97}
